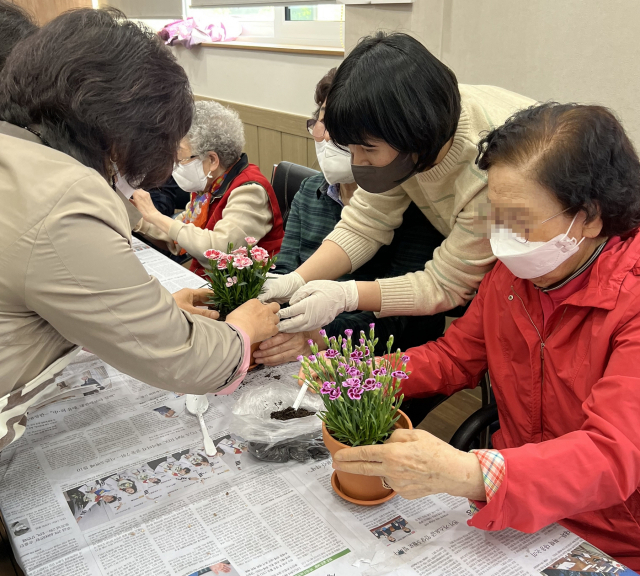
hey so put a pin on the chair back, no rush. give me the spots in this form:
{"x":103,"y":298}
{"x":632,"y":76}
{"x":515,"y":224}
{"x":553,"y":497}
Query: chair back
{"x":286,"y":179}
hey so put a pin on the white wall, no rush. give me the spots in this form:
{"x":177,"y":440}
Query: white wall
{"x":566,"y":50}
{"x":275,"y":80}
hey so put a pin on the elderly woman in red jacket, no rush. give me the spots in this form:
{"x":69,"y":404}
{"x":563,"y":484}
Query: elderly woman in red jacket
{"x":557,"y":325}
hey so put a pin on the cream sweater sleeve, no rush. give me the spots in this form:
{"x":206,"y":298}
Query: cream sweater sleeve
{"x":451,"y":278}
{"x":247,"y":213}
{"x":154,"y":233}
{"x":368,"y":222}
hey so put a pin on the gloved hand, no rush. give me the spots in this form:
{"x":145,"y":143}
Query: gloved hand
{"x":280,"y":287}
{"x":317,"y":303}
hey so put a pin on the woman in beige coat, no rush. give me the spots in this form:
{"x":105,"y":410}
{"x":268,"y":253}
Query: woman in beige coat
{"x":80,"y":113}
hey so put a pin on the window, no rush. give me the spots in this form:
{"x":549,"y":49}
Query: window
{"x":319,"y":12}
{"x":318,"y":25}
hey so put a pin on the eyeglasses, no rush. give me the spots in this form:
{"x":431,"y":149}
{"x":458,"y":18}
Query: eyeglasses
{"x":316,"y":128}
{"x":187,"y":160}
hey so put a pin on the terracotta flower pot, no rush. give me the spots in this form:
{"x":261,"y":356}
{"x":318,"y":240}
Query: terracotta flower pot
{"x":358,"y":488}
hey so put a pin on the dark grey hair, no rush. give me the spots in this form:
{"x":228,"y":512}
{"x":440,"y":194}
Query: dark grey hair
{"x":218,"y":129}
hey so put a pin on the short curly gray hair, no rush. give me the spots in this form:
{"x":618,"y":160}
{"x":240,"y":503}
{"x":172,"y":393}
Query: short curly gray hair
{"x":218,"y":129}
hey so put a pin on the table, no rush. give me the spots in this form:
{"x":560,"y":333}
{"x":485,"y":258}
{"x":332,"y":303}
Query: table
{"x":111,"y":479}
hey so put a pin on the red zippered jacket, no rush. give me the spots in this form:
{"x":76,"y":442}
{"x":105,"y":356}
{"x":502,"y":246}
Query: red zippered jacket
{"x":568,"y":396}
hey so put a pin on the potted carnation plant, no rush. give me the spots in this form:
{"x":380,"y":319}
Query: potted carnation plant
{"x":237,"y":276}
{"x":361,"y":395}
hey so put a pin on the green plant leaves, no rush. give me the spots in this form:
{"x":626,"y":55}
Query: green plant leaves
{"x":360,"y":394}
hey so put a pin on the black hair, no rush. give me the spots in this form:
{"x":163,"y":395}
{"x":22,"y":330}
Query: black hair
{"x":15,"y":24}
{"x":580,"y":153}
{"x":100,"y":87}
{"x":392,"y":88}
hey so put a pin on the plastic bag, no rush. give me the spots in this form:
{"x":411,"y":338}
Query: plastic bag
{"x":299,"y":449}
{"x":252,"y":414}
{"x":191,"y":33}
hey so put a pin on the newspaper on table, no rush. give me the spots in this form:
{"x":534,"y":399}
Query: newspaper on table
{"x":169,"y":273}
{"x":112,"y":479}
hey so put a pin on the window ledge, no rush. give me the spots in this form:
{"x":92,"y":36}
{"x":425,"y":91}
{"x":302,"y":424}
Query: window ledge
{"x":289,"y":48}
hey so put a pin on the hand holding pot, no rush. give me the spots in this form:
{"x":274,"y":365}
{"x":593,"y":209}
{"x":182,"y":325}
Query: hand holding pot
{"x":284,"y":348}
{"x":188,"y":299}
{"x":416,"y":464}
{"x":258,"y":321}
{"x":317,"y":303}
{"x":280,"y":287}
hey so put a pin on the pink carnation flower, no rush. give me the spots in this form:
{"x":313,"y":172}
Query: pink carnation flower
{"x":222,"y":264}
{"x":259,"y":254}
{"x":369,"y":384}
{"x":229,"y":282}
{"x":350,"y":382}
{"x":213,"y":254}
{"x":335,"y":393}
{"x":355,"y":393}
{"x":250,"y":240}
{"x":241,"y":262}
{"x":242,"y":251}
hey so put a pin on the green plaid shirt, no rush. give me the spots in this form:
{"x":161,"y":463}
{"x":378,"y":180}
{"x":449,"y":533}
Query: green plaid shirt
{"x":314,"y":215}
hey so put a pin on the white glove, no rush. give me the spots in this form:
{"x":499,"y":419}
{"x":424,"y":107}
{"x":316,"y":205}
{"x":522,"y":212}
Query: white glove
{"x":280,"y":287}
{"x":318,"y":303}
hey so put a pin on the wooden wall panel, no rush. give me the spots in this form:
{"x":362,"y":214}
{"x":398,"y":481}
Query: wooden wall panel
{"x":252,"y":147}
{"x":45,"y":10}
{"x":312,"y":157}
{"x":294,"y":149}
{"x":270,"y":144}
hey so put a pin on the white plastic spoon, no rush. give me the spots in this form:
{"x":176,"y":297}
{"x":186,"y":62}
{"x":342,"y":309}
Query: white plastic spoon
{"x":198,"y":405}
{"x":300,"y":397}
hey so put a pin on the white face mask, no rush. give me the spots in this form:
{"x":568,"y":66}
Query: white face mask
{"x":334,"y":163}
{"x":191,"y":177}
{"x":122,"y":185}
{"x":532,"y":259}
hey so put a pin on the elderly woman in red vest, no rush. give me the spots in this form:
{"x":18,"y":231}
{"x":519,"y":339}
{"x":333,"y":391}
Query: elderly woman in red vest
{"x":230,"y":198}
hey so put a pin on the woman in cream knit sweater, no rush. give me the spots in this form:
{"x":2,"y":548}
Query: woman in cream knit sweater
{"x":412,"y":132}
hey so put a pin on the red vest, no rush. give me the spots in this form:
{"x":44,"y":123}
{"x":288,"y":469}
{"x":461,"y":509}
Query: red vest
{"x":272,"y":241}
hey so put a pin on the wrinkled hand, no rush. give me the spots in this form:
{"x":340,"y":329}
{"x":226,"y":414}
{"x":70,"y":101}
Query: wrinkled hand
{"x":416,"y":464}
{"x":280,"y":287}
{"x":317,"y":303}
{"x":142,"y":201}
{"x":258,"y":321}
{"x":284,"y":348}
{"x":187,"y":299}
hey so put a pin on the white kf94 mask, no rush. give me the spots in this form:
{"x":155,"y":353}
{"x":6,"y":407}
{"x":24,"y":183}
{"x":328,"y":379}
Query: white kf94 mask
{"x":334,"y":163}
{"x":191,"y":177}
{"x":532,"y":259}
